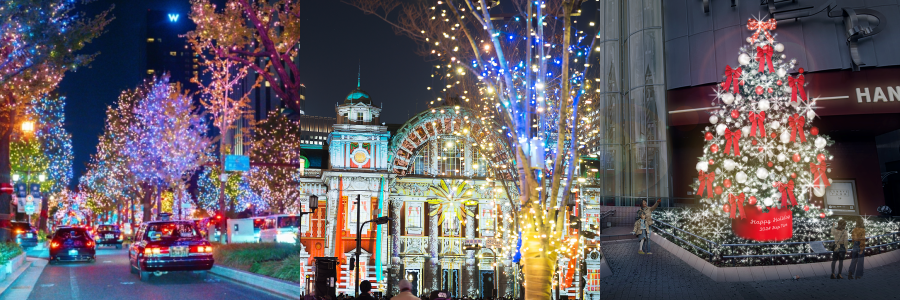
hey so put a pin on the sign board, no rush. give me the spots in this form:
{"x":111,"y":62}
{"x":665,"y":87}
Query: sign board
{"x":486,"y":243}
{"x":21,"y":190}
{"x":237,"y":163}
{"x":840,"y":197}
{"x":35,"y":189}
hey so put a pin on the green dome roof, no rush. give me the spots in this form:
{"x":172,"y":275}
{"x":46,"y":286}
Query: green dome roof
{"x":357,"y":96}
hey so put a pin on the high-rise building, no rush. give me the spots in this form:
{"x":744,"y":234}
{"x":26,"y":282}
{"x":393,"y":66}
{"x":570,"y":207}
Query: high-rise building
{"x":165,"y":50}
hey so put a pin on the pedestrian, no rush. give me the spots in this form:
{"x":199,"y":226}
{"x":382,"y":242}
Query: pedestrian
{"x":839,"y":231}
{"x":857,"y":255}
{"x":405,"y":291}
{"x":364,"y":288}
{"x":645,"y":221}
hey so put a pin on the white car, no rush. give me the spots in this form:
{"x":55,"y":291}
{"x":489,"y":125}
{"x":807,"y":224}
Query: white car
{"x":280,"y":229}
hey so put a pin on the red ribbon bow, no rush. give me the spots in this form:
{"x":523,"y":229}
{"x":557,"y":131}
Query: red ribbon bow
{"x":796,"y":122}
{"x":732,"y":138}
{"x":796,"y":85}
{"x":819,"y":176}
{"x":761,"y":27}
{"x":733,"y":78}
{"x":706,"y":180}
{"x":764,"y":57}
{"x":735,"y":201}
{"x":758,"y":120}
{"x":786,"y":189}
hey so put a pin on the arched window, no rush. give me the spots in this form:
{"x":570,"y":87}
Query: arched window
{"x":448,"y":155}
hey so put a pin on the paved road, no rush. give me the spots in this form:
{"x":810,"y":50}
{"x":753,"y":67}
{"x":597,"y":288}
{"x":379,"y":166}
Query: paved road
{"x":109,"y":278}
{"x":663,"y":276}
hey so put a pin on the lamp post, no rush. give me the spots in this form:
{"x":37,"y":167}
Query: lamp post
{"x":379,"y":221}
{"x":313,"y":205}
{"x":496,"y":271}
{"x":27,"y":128}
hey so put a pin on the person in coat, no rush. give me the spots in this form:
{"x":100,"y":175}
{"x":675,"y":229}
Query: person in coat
{"x":405,"y":291}
{"x":857,"y":255}
{"x":839,"y":231}
{"x":364,"y":288}
{"x":643,"y":226}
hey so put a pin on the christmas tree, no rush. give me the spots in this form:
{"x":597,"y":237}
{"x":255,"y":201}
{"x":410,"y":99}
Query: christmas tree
{"x":762,"y":159}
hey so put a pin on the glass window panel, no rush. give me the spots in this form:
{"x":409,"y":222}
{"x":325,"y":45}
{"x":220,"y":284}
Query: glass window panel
{"x":611,"y":20}
{"x":652,"y":13}
{"x":653,"y":55}
{"x":635,"y":59}
{"x":635,"y":16}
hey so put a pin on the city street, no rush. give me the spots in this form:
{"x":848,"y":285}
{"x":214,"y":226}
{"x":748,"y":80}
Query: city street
{"x":108,"y":278}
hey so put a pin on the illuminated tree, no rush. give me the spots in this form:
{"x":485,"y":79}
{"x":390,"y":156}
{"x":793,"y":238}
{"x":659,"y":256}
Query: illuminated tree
{"x":523,"y":66}
{"x":39,"y":41}
{"x":57,"y":145}
{"x":276,"y":146}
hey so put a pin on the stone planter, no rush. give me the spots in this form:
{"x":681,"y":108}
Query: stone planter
{"x":14,"y":264}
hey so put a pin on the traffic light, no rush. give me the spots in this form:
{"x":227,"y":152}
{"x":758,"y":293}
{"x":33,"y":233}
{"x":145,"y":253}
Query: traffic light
{"x":576,"y":222}
{"x":352,"y":263}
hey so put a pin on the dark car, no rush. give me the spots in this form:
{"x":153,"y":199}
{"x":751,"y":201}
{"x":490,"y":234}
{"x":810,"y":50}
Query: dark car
{"x":72,"y":244}
{"x":109,"y":235}
{"x":25,"y":235}
{"x":164,"y":246}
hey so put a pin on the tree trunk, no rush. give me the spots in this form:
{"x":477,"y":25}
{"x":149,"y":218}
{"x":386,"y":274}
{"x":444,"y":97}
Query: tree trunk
{"x":42,"y":220}
{"x":5,"y":168}
{"x":538,"y":268}
{"x":148,"y":197}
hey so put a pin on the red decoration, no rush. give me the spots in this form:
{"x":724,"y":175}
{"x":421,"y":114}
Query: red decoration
{"x":822,"y":215}
{"x":706,"y":181}
{"x":761,"y":27}
{"x":770,"y":164}
{"x":735,"y":203}
{"x":752,"y":200}
{"x":793,"y":175}
{"x":711,"y":161}
{"x":820,"y":157}
{"x":795,"y":157}
{"x":776,"y":225}
{"x":796,"y":85}
{"x":796,"y":122}
{"x":814,"y":130}
{"x":725,"y":208}
{"x":727,"y":183}
{"x":714,"y":148}
{"x":754,"y":142}
{"x":735,"y":114}
{"x":820,"y":179}
{"x":787,"y":192}
{"x":732,"y":77}
{"x":801,"y":70}
{"x":708,"y":136}
{"x":759,"y":90}
{"x":758,"y":121}
{"x":806,"y":207}
{"x":764,"y":57}
{"x":779,"y":82}
{"x":772,"y":135}
{"x":732,"y":138}
{"x":718,"y":190}
{"x":761,"y":149}
{"x":770,"y":90}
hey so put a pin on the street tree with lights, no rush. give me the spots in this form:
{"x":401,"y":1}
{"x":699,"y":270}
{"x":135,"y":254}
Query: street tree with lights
{"x":277,"y":143}
{"x":522,"y":64}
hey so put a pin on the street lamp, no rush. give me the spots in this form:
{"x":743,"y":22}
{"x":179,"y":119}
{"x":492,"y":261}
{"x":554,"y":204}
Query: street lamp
{"x":379,"y":221}
{"x":496,"y":271}
{"x":313,"y":205}
{"x":28,"y":127}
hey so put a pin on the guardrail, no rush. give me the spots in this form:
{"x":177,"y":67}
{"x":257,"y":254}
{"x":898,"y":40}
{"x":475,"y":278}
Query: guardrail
{"x":711,"y":244}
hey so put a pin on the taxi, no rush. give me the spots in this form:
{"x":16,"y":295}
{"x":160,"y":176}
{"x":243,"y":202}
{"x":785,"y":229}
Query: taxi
{"x":165,"y":246}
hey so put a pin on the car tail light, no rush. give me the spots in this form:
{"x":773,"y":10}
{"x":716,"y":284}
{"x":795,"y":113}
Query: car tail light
{"x":156,"y":251}
{"x":121,"y":236}
{"x":90,"y":244}
{"x":202,"y":249}
{"x":54,"y":245}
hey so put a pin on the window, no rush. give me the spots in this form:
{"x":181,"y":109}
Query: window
{"x":359,"y":116}
{"x":448,"y":156}
{"x":171,"y":230}
{"x":173,"y":53}
{"x":150,"y":40}
{"x":267,"y":84}
{"x":150,"y":71}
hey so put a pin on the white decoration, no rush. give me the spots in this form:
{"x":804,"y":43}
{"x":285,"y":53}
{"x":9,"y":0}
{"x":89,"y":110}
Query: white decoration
{"x":720,"y":129}
{"x":781,"y":72}
{"x":744,"y":59}
{"x":810,"y":114}
{"x":749,"y":40}
{"x":703,"y":166}
{"x":779,"y":47}
{"x":738,"y":98}
{"x":820,"y":142}
{"x":779,"y":168}
{"x":754,"y":72}
{"x":713,"y":119}
{"x":727,"y":98}
{"x":830,"y":181}
{"x":781,"y":157}
{"x":744,"y":159}
{"x":806,"y":159}
{"x":763,"y":105}
{"x":785,"y":137}
{"x":745,"y":131}
{"x":727,"y":119}
{"x":762,"y":173}
{"x":769,"y":201}
{"x":741,"y":177}
{"x":775,"y":125}
{"x":820,"y":192}
{"x":729,"y":164}
{"x":787,"y":90}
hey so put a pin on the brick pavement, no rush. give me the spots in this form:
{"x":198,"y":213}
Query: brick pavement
{"x":663,"y":276}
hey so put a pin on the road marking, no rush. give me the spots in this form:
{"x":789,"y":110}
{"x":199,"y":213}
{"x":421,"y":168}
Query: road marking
{"x":47,"y":285}
{"x":127,"y":282}
{"x":107,"y":261}
{"x":73,"y":283}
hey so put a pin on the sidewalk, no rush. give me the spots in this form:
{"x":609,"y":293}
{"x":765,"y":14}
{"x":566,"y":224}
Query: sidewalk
{"x":664,"y":276}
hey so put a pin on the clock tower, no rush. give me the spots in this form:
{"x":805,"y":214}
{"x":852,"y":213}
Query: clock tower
{"x":358,"y":140}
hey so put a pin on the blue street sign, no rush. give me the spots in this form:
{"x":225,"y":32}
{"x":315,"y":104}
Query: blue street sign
{"x":237,"y":163}
{"x":29,"y":207}
{"x":21,"y":190}
{"x":35,"y":190}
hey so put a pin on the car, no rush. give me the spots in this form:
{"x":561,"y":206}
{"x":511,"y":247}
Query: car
{"x":72,"y":244}
{"x":165,"y":246}
{"x":109,"y":235}
{"x":25,"y":235}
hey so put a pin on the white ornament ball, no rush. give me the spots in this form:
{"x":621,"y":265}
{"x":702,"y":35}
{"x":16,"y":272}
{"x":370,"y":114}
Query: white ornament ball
{"x":754,"y":72}
{"x":749,"y":40}
{"x":795,"y":103}
{"x":781,"y":72}
{"x":806,"y":159}
{"x":703,"y":166}
{"x":763,"y":105}
{"x":745,"y":131}
{"x":738,"y":98}
{"x":787,"y":90}
{"x":744,"y":59}
{"x":744,"y":159}
{"x":779,"y":47}
{"x":820,"y":142}
{"x":762,"y":173}
{"x":713,"y":119}
{"x":775,"y":125}
{"x":781,"y":157}
{"x":769,"y":201}
{"x":720,"y":129}
{"x":729,"y":164}
{"x":820,"y":192}
{"x":727,"y":119}
{"x":810,"y":114}
{"x":785,"y":137}
{"x":728,"y":98}
{"x":741,"y":177}
{"x":830,"y":181}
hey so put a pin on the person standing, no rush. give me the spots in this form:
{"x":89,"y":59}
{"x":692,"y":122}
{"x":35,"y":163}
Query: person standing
{"x":857,"y":255}
{"x":364,"y":287}
{"x":839,"y":231}
{"x":645,"y":221}
{"x":405,"y":291}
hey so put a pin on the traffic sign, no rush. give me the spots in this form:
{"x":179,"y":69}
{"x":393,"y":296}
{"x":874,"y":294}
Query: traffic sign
{"x":21,"y":190}
{"x":35,"y":189}
{"x":237,"y":163}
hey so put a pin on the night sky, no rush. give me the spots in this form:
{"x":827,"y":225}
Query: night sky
{"x":337,"y":39}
